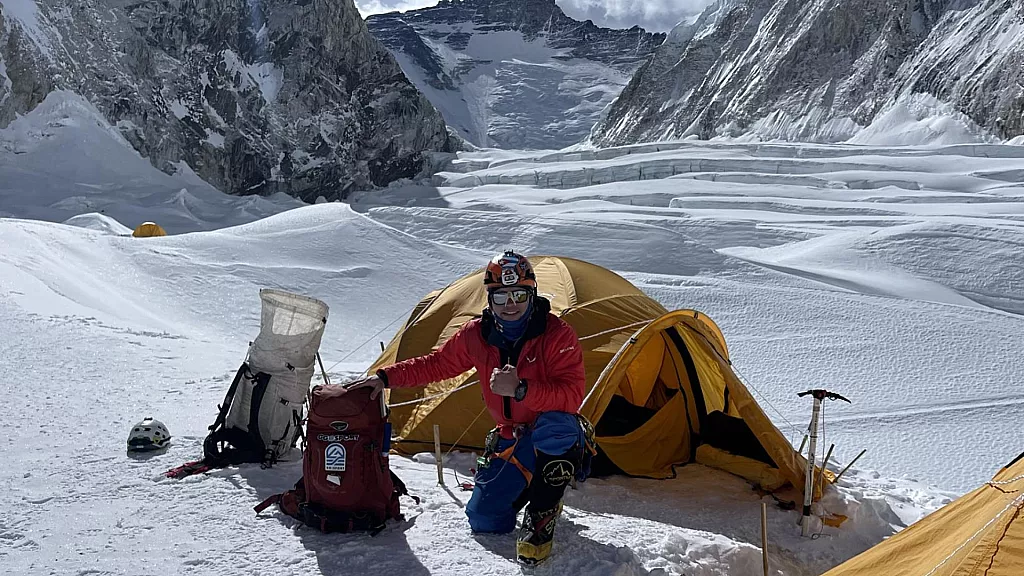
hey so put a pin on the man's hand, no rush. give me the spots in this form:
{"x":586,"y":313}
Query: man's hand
{"x":373,"y":381}
{"x":504,"y":381}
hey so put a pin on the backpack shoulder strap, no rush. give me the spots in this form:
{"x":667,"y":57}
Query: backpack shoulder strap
{"x":288,"y":501}
{"x":222,"y":416}
{"x":230,"y":446}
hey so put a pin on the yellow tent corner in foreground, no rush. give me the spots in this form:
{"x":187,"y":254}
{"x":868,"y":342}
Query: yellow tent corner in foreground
{"x":148,"y":230}
{"x":979,"y":534}
{"x":659,"y":383}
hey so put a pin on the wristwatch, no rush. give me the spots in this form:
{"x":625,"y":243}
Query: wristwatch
{"x":521,"y":390}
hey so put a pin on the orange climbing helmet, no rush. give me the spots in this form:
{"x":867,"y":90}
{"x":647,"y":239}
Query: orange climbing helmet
{"x":509,"y":269}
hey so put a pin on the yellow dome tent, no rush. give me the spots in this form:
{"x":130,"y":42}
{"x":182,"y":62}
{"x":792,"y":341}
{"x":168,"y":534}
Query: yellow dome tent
{"x":980,"y":533}
{"x":148,"y":230}
{"x":660,"y":390}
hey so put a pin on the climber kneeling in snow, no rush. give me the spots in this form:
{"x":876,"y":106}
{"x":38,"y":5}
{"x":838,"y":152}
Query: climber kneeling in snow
{"x":531,"y":370}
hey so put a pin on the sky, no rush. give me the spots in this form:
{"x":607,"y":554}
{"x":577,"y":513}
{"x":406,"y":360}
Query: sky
{"x":888,"y":273}
{"x":653,"y":15}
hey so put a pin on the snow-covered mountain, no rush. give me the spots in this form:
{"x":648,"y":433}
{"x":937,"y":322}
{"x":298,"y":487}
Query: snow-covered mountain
{"x":513,"y":73}
{"x":824,"y":70}
{"x":256,"y":96}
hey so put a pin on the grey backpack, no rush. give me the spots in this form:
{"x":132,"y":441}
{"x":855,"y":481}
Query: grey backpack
{"x":262,"y":414}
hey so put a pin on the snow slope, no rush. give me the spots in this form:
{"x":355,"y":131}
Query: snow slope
{"x":64,"y":159}
{"x":889,"y":274}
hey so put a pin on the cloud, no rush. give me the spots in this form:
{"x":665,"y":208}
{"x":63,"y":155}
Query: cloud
{"x":368,"y":7}
{"x":654,"y":15}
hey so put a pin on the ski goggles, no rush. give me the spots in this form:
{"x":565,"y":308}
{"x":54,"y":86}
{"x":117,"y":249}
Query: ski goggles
{"x":518,"y":296}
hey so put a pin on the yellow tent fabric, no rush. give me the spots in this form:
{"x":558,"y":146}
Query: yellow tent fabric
{"x":654,"y":377}
{"x":148,"y":230}
{"x":979,"y":534}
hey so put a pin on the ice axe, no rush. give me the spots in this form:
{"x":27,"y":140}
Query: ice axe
{"x":818,"y":395}
{"x":821,"y":394}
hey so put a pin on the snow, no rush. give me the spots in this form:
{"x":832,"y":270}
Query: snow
{"x":100,"y":223}
{"x":890,"y":274}
{"x":268,"y":78}
{"x":178,"y":109}
{"x":26,"y":13}
{"x":6,"y":80}
{"x":264,"y":76}
{"x":920,"y":119}
{"x":215,"y":139}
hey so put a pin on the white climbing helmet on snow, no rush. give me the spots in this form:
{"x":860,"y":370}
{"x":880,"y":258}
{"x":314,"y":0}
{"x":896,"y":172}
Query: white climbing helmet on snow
{"x":149,"y":434}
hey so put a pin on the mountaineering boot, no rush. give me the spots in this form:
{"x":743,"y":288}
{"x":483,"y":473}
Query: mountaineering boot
{"x":535,"y":537}
{"x":551,"y":475}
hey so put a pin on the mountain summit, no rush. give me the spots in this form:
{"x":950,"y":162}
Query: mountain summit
{"x":513,"y":73}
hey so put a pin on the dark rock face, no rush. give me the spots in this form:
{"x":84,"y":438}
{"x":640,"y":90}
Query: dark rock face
{"x":822,"y":70}
{"x":257,"y":96}
{"x":513,"y":73}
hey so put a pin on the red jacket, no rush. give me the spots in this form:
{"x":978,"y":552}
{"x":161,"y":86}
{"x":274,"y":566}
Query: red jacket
{"x":549,"y":359}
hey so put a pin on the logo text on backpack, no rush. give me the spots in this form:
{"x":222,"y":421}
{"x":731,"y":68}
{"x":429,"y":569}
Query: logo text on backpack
{"x":337,"y":437}
{"x":334,"y":458}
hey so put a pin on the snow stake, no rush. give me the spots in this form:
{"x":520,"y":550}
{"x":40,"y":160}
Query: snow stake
{"x":437,"y":453}
{"x":818,"y":395}
{"x":824,"y":465}
{"x":843,"y":471}
{"x":764,"y":537}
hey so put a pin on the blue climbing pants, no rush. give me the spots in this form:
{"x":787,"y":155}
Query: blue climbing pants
{"x":498,"y":487}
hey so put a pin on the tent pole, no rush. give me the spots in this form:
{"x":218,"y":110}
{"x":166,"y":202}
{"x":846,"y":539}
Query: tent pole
{"x":805,"y":526}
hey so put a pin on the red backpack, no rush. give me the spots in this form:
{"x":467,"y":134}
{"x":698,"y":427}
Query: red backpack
{"x":347,"y":484}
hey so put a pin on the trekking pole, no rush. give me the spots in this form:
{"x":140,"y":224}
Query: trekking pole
{"x":818,"y":395}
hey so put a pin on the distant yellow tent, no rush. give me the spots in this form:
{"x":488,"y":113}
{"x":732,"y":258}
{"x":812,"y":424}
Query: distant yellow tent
{"x":660,"y":389}
{"x":979,"y":534}
{"x":148,"y":230}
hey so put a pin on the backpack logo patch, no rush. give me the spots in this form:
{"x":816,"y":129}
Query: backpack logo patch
{"x":339,"y":425}
{"x":334,"y":458}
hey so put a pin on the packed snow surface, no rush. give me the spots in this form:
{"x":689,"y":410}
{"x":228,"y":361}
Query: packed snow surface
{"x":890,"y":274}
